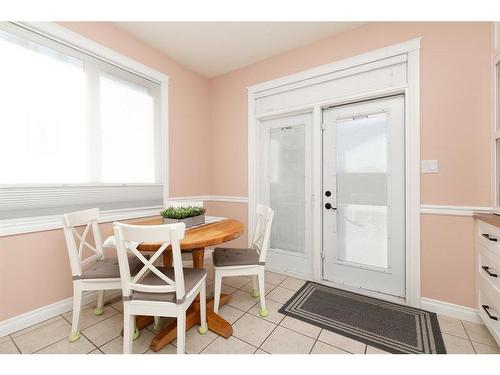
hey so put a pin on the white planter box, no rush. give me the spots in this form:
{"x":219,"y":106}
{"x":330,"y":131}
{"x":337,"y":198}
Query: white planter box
{"x":189,"y":221}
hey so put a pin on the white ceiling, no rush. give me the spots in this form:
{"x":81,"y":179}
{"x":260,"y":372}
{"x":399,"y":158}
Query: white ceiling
{"x":215,"y":48}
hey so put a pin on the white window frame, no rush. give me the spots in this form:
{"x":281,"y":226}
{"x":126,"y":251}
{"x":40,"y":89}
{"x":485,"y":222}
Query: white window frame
{"x":67,"y":37}
{"x":411,"y":90}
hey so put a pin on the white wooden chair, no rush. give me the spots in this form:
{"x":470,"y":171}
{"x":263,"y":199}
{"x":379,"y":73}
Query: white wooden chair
{"x":158,"y":291}
{"x":91,"y":271}
{"x":244,"y":262}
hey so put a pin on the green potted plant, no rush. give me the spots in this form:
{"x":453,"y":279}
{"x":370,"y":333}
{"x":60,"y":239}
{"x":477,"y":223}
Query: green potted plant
{"x":190,"y":215}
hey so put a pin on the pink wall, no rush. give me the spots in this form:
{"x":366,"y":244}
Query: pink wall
{"x":448,"y":259}
{"x":210,"y":116}
{"x":455,"y":104}
{"x":455,"y":114}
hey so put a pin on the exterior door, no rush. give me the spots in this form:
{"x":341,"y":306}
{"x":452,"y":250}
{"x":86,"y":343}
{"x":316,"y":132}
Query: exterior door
{"x":285,"y":186}
{"x":364,"y":196}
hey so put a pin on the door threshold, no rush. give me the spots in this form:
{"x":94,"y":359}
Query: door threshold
{"x":288,"y":273}
{"x":366,"y":292}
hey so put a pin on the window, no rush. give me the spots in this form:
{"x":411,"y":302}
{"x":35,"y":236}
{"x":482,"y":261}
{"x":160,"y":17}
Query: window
{"x":75,"y":131}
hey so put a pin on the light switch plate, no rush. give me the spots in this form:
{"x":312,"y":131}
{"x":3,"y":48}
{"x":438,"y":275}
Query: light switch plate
{"x":429,"y":166}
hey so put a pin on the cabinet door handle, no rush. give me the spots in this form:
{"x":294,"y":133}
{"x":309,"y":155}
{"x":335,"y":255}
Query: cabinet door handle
{"x":489,"y":237}
{"x":487,"y":270}
{"x":486,"y":309}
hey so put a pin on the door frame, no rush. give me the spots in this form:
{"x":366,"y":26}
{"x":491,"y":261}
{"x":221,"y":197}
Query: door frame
{"x":411,"y":92}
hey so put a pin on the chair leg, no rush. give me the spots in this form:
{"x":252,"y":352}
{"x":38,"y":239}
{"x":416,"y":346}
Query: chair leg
{"x":100,"y":303}
{"x":263,"y":310}
{"x":77,"y":309}
{"x":156,"y":325}
{"x":217,"y":290}
{"x":203,"y":308}
{"x":181,"y":330}
{"x":128,"y":329}
{"x":255,"y":285}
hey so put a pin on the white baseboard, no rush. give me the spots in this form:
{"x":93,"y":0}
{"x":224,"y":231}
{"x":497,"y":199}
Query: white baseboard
{"x":450,"y":309}
{"x":30,"y":318}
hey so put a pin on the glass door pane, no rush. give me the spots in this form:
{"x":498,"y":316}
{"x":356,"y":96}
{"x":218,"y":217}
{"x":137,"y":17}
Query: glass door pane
{"x":361,"y":166}
{"x":286,"y":175}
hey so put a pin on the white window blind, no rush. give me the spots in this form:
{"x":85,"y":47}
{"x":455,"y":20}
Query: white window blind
{"x":75,"y":131}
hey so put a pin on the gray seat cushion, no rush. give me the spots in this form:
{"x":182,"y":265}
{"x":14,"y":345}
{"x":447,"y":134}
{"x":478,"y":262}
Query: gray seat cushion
{"x":224,"y":257}
{"x":108,"y":268}
{"x":192,"y":276}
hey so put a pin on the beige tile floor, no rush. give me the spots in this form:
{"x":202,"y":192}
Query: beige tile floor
{"x":252,"y":333}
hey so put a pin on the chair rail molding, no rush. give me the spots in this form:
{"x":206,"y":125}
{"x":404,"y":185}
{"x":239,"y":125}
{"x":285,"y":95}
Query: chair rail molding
{"x":212,"y":198}
{"x":430,"y":209}
{"x":10,"y":227}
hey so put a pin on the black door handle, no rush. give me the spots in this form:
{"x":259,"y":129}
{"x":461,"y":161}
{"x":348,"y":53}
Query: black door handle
{"x":487,"y":270}
{"x":486,"y":308}
{"x":328,"y":206}
{"x":489,"y":237}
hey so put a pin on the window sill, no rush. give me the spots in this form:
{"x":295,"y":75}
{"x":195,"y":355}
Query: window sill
{"x":9,"y":227}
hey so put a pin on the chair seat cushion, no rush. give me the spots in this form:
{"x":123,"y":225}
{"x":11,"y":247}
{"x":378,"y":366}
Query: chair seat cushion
{"x":108,"y":268}
{"x":192,"y":276}
{"x":224,"y":257}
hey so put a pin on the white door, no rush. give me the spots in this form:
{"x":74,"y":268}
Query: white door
{"x":285,"y":186}
{"x":364,"y":195}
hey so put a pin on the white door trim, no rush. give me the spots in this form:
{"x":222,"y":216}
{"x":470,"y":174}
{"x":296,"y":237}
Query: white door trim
{"x":412,"y":148}
{"x":350,"y":62}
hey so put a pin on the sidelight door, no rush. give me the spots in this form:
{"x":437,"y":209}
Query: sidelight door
{"x":285,"y":185}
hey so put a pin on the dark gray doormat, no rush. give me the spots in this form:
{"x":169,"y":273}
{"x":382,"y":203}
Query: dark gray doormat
{"x":385,"y":325}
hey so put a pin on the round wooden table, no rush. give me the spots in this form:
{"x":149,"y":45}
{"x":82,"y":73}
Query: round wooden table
{"x":195,"y":241}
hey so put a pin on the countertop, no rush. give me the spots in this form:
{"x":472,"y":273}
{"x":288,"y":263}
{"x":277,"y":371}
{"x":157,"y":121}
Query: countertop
{"x":491,"y":219}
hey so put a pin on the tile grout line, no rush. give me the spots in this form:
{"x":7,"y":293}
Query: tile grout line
{"x":253,"y":316}
{"x":279,"y":323}
{"x":93,"y":324}
{"x":17,"y":347}
{"x":263,"y":341}
{"x":315,"y":341}
{"x":467,"y":333}
{"x":344,"y":350}
{"x":116,"y":312}
{"x":42,"y":324}
{"x":276,"y":324}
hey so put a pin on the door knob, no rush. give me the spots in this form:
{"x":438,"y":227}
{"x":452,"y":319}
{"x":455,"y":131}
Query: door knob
{"x":328,"y":206}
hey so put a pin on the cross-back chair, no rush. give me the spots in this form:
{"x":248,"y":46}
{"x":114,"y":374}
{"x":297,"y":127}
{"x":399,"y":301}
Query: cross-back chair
{"x":157,"y":291}
{"x":90,"y":270}
{"x":248,"y":261}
